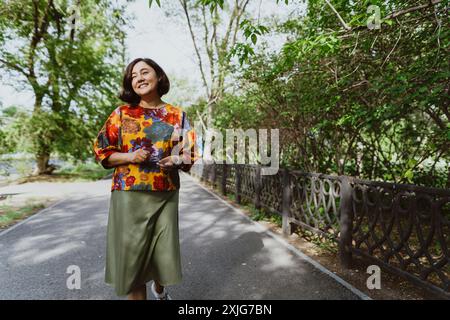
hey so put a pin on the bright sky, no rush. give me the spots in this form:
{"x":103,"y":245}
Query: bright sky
{"x":161,"y":39}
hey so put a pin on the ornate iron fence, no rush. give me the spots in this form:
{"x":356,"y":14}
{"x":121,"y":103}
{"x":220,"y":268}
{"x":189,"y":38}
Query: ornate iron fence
{"x":403,"y":228}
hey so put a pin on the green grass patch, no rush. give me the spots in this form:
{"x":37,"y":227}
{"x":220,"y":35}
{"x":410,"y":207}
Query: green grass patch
{"x":10,"y":215}
{"x":71,"y":173}
{"x":84,"y":172}
{"x":264,"y":215}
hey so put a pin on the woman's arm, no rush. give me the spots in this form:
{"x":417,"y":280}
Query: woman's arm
{"x":121,"y":158}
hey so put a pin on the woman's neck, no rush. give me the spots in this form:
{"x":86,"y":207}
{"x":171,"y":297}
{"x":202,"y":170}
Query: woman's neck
{"x":151,"y":102}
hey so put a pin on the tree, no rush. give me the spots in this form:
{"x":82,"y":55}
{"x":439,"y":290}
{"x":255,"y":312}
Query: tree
{"x":70,"y":54}
{"x":214,"y":27}
{"x":356,"y":100}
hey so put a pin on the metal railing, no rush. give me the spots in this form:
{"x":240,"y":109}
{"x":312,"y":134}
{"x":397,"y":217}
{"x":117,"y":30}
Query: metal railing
{"x":404,"y":229}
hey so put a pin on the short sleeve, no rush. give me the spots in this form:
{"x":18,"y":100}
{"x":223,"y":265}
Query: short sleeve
{"x":189,"y":150}
{"x":108,"y":139}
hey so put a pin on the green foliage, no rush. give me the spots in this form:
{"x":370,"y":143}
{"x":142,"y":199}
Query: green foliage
{"x":90,"y":171}
{"x":241,"y":50}
{"x":264,"y":215}
{"x":245,"y":50}
{"x":73,"y":71}
{"x":10,"y":214}
{"x":11,"y":138}
{"x":368,"y":103}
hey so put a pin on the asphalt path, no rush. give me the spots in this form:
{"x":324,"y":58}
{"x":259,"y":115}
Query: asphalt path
{"x":225,"y":255}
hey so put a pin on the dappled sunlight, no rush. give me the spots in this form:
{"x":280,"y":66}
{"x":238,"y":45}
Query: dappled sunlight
{"x":224,"y":255}
{"x":230,"y":253}
{"x":277,"y":256}
{"x":39,"y":256}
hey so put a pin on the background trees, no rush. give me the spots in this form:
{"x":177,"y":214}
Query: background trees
{"x":71,"y":55}
{"x":354,"y":100}
{"x":359,"y":87}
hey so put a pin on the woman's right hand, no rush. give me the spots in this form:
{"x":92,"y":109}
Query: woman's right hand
{"x":138,"y":156}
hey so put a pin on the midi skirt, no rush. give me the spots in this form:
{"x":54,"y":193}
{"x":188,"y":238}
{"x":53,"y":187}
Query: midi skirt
{"x":142,"y":239}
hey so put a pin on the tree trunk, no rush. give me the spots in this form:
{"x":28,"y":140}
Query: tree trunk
{"x":42,"y":166}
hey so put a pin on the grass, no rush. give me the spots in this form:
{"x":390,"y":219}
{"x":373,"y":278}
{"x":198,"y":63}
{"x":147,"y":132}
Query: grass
{"x":84,"y":171}
{"x":70,"y":173}
{"x":10,"y":215}
{"x":90,"y":171}
{"x":263,"y":215}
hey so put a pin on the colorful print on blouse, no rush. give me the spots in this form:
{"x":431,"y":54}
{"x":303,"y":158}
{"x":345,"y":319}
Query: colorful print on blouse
{"x":129,"y":128}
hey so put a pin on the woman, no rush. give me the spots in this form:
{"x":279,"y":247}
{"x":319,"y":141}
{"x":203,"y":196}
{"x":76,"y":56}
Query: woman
{"x":147,"y":141}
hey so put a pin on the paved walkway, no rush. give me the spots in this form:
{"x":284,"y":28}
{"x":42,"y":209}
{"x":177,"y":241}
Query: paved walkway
{"x":224,"y":254}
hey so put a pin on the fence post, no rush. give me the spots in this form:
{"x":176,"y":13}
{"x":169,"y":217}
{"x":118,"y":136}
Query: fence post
{"x":286,"y":204}
{"x":224,"y":179}
{"x":237,"y":175}
{"x":213,"y":175}
{"x":204,"y":172}
{"x":346,"y":223}
{"x":258,"y":187}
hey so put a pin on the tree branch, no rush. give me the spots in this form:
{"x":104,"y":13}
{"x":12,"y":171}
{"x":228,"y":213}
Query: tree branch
{"x":208,"y":46}
{"x":389,"y":16}
{"x":395,"y":45}
{"x":412,"y":9}
{"x":186,"y":12}
{"x":345,"y":25}
{"x":15,"y":67}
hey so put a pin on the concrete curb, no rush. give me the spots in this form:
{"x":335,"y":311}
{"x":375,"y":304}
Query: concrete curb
{"x":9,"y":229}
{"x":31,"y":217}
{"x":293,"y":249}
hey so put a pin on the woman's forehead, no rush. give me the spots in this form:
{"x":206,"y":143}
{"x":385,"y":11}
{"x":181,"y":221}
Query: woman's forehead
{"x":141,"y":65}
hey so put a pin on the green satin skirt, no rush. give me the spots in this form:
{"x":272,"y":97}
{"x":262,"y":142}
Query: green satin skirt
{"x":142,"y":239}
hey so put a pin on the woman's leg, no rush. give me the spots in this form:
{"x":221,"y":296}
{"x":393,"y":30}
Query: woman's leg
{"x":138,"y":293}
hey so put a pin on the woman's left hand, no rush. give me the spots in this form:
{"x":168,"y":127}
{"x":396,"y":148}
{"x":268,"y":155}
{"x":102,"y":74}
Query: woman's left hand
{"x":168,"y":163}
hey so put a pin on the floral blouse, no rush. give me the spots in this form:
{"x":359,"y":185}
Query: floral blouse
{"x":130,"y":128}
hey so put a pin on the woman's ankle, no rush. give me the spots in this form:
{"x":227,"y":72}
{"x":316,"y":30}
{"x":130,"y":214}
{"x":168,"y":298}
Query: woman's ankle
{"x":159,"y":288}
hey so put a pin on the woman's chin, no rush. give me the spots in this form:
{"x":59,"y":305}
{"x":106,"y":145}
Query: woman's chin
{"x":144,"y":92}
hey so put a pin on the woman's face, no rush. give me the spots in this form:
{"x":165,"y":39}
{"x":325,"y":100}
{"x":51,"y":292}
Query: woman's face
{"x":143,"y":78}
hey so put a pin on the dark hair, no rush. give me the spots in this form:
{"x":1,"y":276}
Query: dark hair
{"x":128,"y":95}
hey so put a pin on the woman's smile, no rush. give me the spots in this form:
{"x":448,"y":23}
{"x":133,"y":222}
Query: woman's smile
{"x":142,"y":78}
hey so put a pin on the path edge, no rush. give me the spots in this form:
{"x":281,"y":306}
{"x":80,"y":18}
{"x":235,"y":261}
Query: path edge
{"x":293,"y":249}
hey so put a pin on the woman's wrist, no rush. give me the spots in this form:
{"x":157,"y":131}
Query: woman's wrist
{"x":129,"y":158}
{"x":119,"y":158}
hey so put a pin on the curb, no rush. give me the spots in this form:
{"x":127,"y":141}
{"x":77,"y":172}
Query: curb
{"x":293,"y":249}
{"x":9,"y":229}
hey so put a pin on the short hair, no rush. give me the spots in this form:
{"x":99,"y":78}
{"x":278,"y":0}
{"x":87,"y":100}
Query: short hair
{"x":128,"y":95}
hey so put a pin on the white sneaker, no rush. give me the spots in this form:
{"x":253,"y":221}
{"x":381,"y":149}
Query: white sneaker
{"x":160,"y":296}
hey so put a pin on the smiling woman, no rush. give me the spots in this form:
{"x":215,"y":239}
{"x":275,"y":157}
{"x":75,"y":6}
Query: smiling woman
{"x":141,"y":78}
{"x":141,"y":140}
